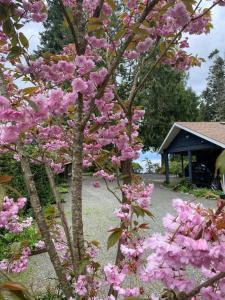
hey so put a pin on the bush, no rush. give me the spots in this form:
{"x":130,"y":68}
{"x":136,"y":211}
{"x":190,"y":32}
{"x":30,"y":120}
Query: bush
{"x":137,"y":167}
{"x":9,"y":166}
{"x":185,"y":186}
{"x":12,"y":242}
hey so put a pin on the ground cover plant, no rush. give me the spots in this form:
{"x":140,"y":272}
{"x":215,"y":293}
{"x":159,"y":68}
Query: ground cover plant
{"x":75,"y":110}
{"x":184,"y":186}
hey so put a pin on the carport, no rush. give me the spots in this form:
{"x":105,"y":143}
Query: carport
{"x":202,"y":140}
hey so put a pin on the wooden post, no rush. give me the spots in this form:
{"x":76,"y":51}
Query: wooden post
{"x":190,"y":164}
{"x":167,"y":167}
{"x":182,"y":164}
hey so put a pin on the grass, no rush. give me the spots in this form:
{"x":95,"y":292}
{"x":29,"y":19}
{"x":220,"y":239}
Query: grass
{"x":185,"y":186}
{"x":63,"y":188}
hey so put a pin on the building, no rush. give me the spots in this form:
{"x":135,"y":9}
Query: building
{"x":203,"y":141}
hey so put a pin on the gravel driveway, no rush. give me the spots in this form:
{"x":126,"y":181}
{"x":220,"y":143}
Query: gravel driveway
{"x":98,"y":218}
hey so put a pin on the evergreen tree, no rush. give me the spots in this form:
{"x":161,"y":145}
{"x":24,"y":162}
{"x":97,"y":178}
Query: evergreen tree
{"x":56,"y":34}
{"x":213,"y":97}
{"x":166,"y":100}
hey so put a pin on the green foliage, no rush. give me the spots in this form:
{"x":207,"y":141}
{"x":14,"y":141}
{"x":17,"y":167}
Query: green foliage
{"x":176,"y":166}
{"x":137,"y":167}
{"x":50,"y":212}
{"x":149,"y":166}
{"x":10,"y":243}
{"x":56,"y":33}
{"x":9,"y":166}
{"x":114,"y":237}
{"x":220,"y":163}
{"x":166,"y":99}
{"x":62,"y":189}
{"x":184,"y":186}
{"x":212,"y":106}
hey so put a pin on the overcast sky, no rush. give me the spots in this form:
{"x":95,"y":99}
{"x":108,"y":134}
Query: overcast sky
{"x":202,"y":45}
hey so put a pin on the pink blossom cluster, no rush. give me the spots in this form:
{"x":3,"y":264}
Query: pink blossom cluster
{"x":104,"y":175}
{"x":16,"y":265}
{"x":56,"y":72}
{"x":34,"y":10}
{"x":139,"y":193}
{"x":195,"y":237}
{"x":9,"y":215}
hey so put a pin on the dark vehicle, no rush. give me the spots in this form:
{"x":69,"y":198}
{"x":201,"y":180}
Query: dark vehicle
{"x":201,"y":175}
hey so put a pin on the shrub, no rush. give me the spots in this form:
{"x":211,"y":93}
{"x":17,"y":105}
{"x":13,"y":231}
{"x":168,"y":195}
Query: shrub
{"x":10,"y":243}
{"x":9,"y":166}
{"x":137,"y":167}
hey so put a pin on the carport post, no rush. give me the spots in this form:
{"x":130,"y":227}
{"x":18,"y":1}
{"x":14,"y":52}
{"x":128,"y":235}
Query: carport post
{"x":190,"y":165}
{"x":182,"y":164}
{"x":167,"y":167}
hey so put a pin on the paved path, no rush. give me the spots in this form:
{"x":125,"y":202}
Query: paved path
{"x":98,"y":218}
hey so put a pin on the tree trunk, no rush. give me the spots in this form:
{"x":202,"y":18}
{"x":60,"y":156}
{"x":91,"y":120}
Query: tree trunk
{"x":126,"y":167}
{"x":76,"y":189}
{"x":61,"y":213}
{"x":42,"y":224}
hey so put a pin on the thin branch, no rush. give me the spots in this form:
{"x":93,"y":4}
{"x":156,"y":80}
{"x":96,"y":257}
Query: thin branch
{"x":111,"y":191}
{"x":73,"y":29}
{"x":209,"y":223}
{"x":61,"y":212}
{"x":149,"y":7}
{"x":98,"y":9}
{"x":205,"y":284}
{"x":120,"y":101}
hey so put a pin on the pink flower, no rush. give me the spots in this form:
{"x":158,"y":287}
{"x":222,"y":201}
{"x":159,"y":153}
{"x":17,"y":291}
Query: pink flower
{"x":96,"y":184}
{"x":79,"y":85}
{"x":144,"y":46}
{"x":4,"y":102}
{"x":80,"y":285}
{"x":180,"y":14}
{"x":114,"y":276}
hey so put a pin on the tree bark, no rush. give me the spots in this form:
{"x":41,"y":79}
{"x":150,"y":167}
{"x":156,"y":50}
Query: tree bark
{"x":76,"y":189}
{"x":42,"y":224}
{"x":61,"y":213}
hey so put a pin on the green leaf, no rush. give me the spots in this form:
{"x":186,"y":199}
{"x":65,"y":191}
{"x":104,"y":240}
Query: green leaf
{"x":189,"y":5}
{"x":220,"y":163}
{"x":23,"y":40}
{"x":120,"y":33}
{"x":18,"y":25}
{"x":30,"y":90}
{"x":3,"y":13}
{"x":114,"y":238}
{"x":111,"y":4}
{"x":7,"y":27}
{"x":139,"y":211}
{"x":2,"y":194}
{"x":33,"y":105}
{"x":82,"y":265}
{"x":14,"y":52}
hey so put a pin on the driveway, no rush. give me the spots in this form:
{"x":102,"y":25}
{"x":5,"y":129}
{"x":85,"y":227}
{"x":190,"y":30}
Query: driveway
{"x":98,"y":206}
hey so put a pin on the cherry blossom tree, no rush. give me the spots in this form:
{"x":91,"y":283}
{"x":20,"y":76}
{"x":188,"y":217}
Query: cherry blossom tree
{"x":72,"y":112}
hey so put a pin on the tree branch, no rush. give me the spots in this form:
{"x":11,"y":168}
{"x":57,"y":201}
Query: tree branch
{"x":98,"y":9}
{"x":196,"y":290}
{"x":73,"y":28}
{"x":149,"y":7}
